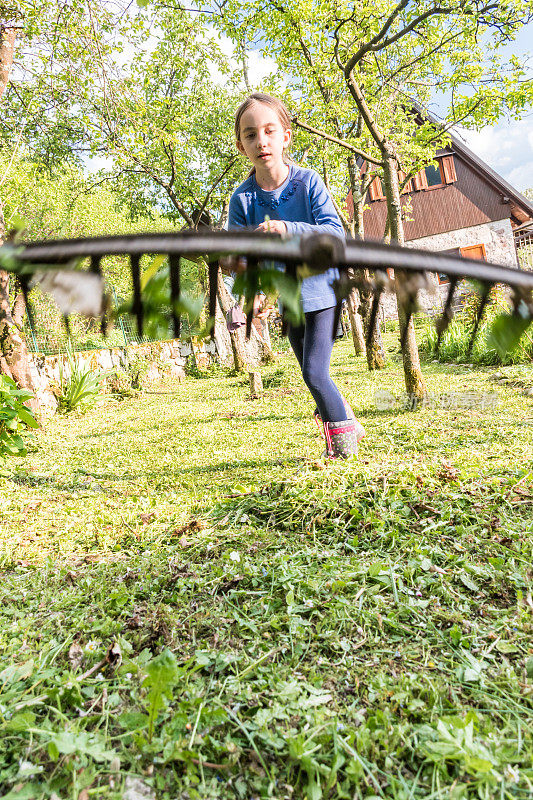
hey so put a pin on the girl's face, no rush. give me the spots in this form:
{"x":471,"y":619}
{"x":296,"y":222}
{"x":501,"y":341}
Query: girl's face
{"x":262,"y":136}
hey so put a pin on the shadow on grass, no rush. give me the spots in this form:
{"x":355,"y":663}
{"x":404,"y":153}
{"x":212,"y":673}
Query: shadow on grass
{"x":187,"y":422}
{"x":369,"y":413}
{"x":23,"y":479}
{"x":225,"y":466}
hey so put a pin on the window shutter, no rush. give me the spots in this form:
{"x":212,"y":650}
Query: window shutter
{"x":420,"y":180}
{"x":376,"y":192}
{"x":448,"y":168}
{"x":408,"y":186}
{"x":350,"y":205}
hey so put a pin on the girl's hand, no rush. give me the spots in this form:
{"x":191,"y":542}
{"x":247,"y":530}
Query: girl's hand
{"x":273,"y":226}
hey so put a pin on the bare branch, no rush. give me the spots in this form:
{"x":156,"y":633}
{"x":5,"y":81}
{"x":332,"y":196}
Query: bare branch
{"x":339,"y":142}
{"x":214,"y":186}
{"x":375,"y":39}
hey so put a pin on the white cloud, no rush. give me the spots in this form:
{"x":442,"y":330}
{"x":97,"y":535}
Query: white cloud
{"x":507,"y":148}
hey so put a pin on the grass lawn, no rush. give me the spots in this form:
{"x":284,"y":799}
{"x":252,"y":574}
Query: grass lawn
{"x":194,"y":605}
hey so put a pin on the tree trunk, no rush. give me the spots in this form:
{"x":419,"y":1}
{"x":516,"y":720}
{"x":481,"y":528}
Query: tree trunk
{"x":7,"y":48}
{"x":375,"y":353}
{"x":414,"y":382}
{"x":263,"y":333}
{"x":14,"y":356}
{"x":356,"y":323}
{"x":236,"y":337}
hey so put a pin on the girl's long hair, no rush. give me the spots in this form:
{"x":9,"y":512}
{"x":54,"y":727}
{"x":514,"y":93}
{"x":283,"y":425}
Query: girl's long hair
{"x":279,"y":107}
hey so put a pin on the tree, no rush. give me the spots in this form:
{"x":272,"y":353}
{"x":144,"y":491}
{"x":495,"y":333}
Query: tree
{"x":135,"y":87}
{"x":104,"y":79}
{"x":393,"y":58}
{"x":14,"y":357}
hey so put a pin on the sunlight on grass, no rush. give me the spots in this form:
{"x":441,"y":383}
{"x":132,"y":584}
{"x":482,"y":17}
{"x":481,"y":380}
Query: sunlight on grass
{"x":193,"y":599}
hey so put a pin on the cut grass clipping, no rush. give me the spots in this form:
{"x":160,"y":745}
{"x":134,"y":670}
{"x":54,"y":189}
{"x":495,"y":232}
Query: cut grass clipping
{"x":194,"y":606}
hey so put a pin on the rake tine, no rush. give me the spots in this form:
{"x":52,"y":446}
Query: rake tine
{"x":523,"y":303}
{"x":213,"y":279}
{"x":137,"y":299}
{"x":372,"y":322}
{"x":249,"y":317}
{"x":23,"y":281}
{"x":447,"y":313}
{"x":252,"y":264}
{"x":104,"y":319}
{"x":411,"y":305}
{"x":336,"y":318}
{"x":174,"y":261}
{"x":284,"y":323}
{"x":96,"y":269}
{"x":66,"y":323}
{"x":484,"y":298}
{"x":290,"y":269}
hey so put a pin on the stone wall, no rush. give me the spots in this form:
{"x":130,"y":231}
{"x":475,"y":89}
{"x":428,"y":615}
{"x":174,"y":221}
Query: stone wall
{"x":499,"y":248}
{"x":496,"y":236}
{"x":165,"y":358}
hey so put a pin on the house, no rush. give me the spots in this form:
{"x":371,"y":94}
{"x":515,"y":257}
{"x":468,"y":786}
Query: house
{"x":459,"y":206}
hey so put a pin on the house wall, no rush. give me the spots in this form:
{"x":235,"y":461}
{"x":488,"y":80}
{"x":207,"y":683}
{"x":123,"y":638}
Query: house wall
{"x":497,"y":237}
{"x":499,"y":248}
{"x":469,"y":201}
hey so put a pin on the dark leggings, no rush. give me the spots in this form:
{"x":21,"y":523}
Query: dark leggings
{"x":312,"y":343}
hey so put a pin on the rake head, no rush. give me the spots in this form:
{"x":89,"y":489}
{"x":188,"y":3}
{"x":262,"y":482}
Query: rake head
{"x":361,"y":265}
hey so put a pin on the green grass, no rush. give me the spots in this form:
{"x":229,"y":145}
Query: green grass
{"x":193,"y":600}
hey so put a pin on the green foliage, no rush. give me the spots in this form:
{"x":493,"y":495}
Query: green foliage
{"x":162,"y":677}
{"x":273,"y":283}
{"x":169,"y":148}
{"x":65,"y":204}
{"x":78,"y":385}
{"x":155,"y":284}
{"x":14,"y":418}
{"x":415,"y":52}
{"x":502,"y":338}
{"x":128,"y":381}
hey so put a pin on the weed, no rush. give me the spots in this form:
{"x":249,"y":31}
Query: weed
{"x":15,"y":417}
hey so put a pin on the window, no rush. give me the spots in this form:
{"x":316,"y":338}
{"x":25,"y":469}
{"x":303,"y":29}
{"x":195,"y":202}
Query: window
{"x":433,"y":176}
{"x":475,"y":251}
{"x":442,"y":277}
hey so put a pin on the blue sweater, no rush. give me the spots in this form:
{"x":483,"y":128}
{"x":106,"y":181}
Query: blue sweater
{"x":305,"y":206}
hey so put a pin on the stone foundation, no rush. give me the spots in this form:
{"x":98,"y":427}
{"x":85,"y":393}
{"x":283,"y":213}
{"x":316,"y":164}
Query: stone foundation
{"x":498,"y":239}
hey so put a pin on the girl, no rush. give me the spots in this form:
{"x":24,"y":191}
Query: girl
{"x":296,"y":201}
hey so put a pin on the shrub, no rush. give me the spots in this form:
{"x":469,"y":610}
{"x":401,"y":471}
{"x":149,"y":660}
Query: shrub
{"x":129,"y":381}
{"x":14,"y":417}
{"x":80,"y":388}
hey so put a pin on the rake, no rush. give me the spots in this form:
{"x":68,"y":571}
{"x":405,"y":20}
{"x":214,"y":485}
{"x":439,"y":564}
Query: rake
{"x":60,"y":263}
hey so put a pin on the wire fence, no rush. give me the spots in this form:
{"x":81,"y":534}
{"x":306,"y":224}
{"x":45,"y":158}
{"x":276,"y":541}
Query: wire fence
{"x":46,"y":333}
